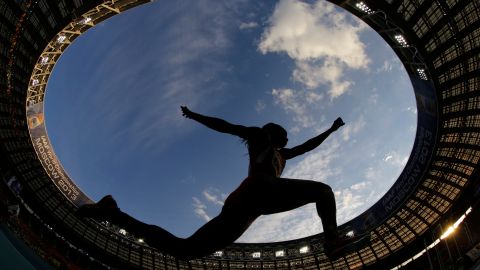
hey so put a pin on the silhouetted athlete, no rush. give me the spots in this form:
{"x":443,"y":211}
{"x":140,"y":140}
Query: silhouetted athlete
{"x":263,"y":192}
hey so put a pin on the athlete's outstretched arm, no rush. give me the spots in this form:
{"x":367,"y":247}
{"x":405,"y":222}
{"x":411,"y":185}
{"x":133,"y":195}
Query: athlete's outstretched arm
{"x":312,"y":143}
{"x":217,"y":124}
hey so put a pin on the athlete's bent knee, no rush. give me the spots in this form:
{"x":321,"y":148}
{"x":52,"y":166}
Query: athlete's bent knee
{"x":323,"y":188}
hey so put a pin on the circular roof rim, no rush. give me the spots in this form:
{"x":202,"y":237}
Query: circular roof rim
{"x":461,"y":165}
{"x":56,"y":47}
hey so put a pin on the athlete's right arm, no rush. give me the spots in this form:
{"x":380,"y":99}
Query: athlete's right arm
{"x":218,"y":124}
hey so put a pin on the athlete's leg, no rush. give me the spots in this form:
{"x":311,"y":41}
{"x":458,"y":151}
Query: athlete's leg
{"x":106,"y":209}
{"x":218,"y":233}
{"x":287,"y":194}
{"x":214,"y":235}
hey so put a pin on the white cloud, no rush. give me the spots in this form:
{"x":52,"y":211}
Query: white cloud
{"x":260,"y":106}
{"x":360,"y":186}
{"x":396,"y":159}
{"x":214,"y":196}
{"x":372,"y":174}
{"x":387,"y":66}
{"x":289,"y":99}
{"x":351,"y":129}
{"x":379,"y":168}
{"x":295,"y":130}
{"x":321,"y":41}
{"x":307,"y":32}
{"x":200,"y":209}
{"x":313,"y":97}
{"x":312,"y":75}
{"x":248,"y":25}
{"x":382,"y":172}
{"x":349,"y":203}
{"x":296,"y":102}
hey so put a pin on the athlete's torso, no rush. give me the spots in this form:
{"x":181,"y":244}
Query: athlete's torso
{"x":266,"y":165}
{"x":264,"y":159}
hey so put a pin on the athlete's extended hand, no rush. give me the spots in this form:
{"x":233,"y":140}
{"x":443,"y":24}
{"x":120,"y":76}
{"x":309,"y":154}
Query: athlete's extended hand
{"x":337,"y":124}
{"x":186,"y":112}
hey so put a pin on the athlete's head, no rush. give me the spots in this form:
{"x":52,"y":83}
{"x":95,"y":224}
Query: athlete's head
{"x":278,"y":135}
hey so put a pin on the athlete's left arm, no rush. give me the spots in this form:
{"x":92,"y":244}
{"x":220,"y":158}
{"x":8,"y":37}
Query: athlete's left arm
{"x":289,"y":153}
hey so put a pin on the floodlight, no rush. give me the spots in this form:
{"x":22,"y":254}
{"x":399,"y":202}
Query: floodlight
{"x":401,"y":40}
{"x":86,"y":20}
{"x":350,"y":234}
{"x":421,"y":72}
{"x":304,"y":249}
{"x":449,"y":231}
{"x":280,"y":253}
{"x":61,"y":38}
{"x":44,"y":60}
{"x":140,"y":240}
{"x":122,"y":232}
{"x":218,"y":254}
{"x":364,"y":8}
{"x":256,"y":255}
{"x":35,"y":82}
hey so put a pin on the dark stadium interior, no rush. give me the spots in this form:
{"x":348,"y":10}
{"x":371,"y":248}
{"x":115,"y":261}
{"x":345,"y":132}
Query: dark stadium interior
{"x":438,"y":42}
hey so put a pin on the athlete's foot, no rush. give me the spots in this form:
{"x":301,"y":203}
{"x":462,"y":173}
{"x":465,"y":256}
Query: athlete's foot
{"x":333,"y":249}
{"x":100,"y":210}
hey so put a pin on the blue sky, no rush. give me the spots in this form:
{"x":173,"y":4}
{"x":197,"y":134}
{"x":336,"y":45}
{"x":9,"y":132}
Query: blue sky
{"x":112,"y":108}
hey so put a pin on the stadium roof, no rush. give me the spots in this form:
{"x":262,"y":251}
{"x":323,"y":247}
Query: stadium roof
{"x":438,"y":43}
